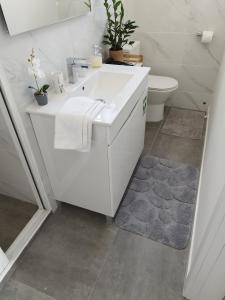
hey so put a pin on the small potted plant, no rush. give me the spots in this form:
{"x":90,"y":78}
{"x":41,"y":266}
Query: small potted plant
{"x":40,"y":93}
{"x":118,"y":31}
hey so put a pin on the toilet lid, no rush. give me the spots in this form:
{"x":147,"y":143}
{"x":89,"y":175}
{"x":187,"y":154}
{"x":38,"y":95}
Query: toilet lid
{"x":162,"y":83}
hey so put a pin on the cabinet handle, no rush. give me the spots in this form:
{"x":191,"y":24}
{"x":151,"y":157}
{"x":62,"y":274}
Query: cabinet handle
{"x":145,"y":105}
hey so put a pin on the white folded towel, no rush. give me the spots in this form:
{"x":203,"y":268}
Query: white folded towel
{"x":73,"y":124}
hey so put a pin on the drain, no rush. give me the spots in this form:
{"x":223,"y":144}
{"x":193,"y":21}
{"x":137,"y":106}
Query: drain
{"x":101,"y":100}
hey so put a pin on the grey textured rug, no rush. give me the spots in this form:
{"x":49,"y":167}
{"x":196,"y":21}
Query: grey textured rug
{"x":184,"y":123}
{"x":159,"y":203}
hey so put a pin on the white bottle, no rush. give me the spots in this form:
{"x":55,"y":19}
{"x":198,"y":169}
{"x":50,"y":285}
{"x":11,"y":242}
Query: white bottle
{"x":96,"y":57}
{"x":58,"y":82}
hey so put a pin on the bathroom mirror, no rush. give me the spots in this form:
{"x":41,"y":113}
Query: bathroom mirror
{"x":26,"y":15}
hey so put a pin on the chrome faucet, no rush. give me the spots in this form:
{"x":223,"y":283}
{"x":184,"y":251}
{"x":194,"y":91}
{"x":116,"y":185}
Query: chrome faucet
{"x":73,"y":65}
{"x":70,"y":61}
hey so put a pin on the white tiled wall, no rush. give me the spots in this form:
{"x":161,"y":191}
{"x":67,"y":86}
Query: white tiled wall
{"x":168,"y":35}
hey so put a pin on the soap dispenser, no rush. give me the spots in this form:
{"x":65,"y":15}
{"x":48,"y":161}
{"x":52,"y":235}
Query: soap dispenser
{"x":96,"y":57}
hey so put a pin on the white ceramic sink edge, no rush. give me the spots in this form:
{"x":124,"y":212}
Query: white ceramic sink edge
{"x":116,"y":89}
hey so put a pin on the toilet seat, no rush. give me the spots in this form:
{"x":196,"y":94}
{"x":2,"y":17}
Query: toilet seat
{"x":161,"y":83}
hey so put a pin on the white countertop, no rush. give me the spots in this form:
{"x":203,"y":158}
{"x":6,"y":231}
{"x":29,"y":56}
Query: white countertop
{"x":111,"y":110}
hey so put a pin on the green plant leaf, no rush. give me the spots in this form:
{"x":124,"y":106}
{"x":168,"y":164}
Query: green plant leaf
{"x":32,"y":88}
{"x":44,"y":88}
{"x":117,"y":30}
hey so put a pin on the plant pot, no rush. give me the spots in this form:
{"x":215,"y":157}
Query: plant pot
{"x":116,"y":55}
{"x":41,"y":99}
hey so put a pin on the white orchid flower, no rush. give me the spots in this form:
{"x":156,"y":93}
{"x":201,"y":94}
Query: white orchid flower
{"x":36,"y":62}
{"x":35,"y":70}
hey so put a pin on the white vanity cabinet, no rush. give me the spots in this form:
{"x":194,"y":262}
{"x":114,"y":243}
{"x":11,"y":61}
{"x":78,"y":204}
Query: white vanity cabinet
{"x":96,"y":180}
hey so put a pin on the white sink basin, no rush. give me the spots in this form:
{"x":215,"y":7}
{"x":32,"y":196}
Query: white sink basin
{"x":107,"y":85}
{"x":115,"y":85}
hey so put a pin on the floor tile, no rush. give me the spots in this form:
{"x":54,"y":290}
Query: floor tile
{"x":178,"y":149}
{"x":184,"y":123}
{"x":66,"y":256}
{"x":140,"y":269}
{"x":150,"y":136}
{"x":15,"y":290}
{"x":14,"y":216}
{"x":152,"y":130}
{"x":166,"y":111}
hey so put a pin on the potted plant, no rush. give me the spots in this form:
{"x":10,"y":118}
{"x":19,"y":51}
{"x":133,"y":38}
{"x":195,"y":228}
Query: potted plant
{"x":118,"y":30}
{"x":40,"y":93}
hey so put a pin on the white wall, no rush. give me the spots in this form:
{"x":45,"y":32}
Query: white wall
{"x":167,"y":32}
{"x":53,"y":45}
{"x":206,"y":262}
{"x":213,"y":170}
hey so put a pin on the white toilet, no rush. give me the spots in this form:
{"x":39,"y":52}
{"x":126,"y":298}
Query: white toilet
{"x":160,"y":89}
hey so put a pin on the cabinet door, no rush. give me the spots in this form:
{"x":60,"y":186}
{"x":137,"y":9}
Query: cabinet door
{"x":125,"y":152}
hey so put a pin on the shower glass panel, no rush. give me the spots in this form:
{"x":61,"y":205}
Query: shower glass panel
{"x":17,"y":199}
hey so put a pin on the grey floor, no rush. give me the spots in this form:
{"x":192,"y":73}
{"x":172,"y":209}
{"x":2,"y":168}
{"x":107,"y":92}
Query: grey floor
{"x":76,"y":255}
{"x":14,"y":216}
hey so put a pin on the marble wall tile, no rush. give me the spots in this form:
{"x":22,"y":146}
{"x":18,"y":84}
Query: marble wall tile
{"x":162,"y":47}
{"x":199,"y":54}
{"x":170,"y":46}
{"x":208,"y":13}
{"x":163,"y":15}
{"x":197,"y":79}
{"x":168,"y":69}
{"x":189,"y":100}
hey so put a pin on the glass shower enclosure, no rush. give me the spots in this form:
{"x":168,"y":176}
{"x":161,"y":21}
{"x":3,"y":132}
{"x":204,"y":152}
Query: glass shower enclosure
{"x":20,"y":201}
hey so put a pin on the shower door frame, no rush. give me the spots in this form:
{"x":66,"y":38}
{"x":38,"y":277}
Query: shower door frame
{"x":20,"y":139}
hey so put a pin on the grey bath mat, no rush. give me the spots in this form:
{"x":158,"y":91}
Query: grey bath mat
{"x":184,"y":123}
{"x":159,"y":203}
